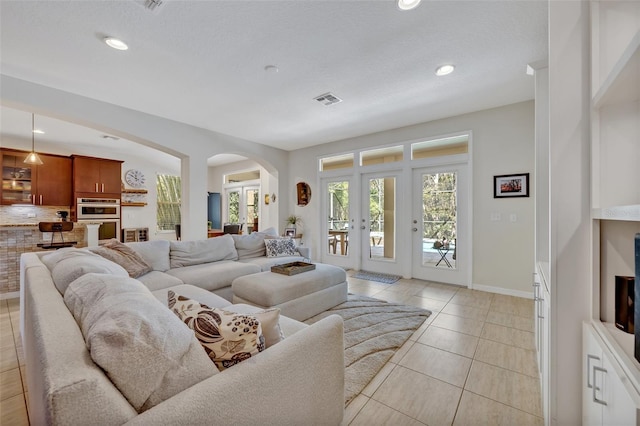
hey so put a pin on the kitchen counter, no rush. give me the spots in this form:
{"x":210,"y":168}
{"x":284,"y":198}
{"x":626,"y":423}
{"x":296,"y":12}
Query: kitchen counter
{"x":18,"y":238}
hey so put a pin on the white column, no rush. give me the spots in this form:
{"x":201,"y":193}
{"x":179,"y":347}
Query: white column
{"x":91,"y":234}
{"x":194,"y":197}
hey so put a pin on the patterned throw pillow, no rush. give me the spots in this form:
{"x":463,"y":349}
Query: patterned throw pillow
{"x":227,"y":337}
{"x":280,"y":247}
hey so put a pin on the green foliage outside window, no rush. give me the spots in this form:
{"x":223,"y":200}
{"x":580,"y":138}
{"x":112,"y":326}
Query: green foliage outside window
{"x":439,"y":205}
{"x":234,"y":207}
{"x":338,"y":205}
{"x":169,"y":193}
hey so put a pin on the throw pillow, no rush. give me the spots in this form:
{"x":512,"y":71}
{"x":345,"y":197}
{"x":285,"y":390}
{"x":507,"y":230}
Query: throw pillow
{"x":143,"y":348}
{"x":74,"y":263}
{"x":280,"y":247}
{"x":228,"y":338}
{"x":270,"y":322}
{"x":124,"y":256}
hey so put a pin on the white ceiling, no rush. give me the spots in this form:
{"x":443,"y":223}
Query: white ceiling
{"x":202,"y":62}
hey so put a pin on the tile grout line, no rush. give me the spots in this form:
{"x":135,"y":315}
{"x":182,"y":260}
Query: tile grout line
{"x":15,"y":347}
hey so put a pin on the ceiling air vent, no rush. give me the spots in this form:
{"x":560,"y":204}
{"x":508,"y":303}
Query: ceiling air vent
{"x":150,"y":5}
{"x":328,"y":99}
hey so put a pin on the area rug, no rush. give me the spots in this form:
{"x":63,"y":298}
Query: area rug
{"x":374,"y":276}
{"x":373,"y":331}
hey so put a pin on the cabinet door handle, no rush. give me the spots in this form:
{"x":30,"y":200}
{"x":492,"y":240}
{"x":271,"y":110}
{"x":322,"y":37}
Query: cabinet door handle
{"x":596,"y":388}
{"x":33,"y":199}
{"x":103,"y":187}
{"x":96,"y":186}
{"x":40,"y":199}
{"x":589,"y":358}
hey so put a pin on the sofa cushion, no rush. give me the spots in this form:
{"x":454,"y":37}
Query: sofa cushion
{"x":228,"y":338}
{"x":144,"y":349}
{"x":156,"y":280}
{"x":252,"y":245}
{"x":124,"y":256}
{"x":187,"y":253}
{"x":214,"y":275}
{"x":280,"y":247}
{"x":71,"y":264}
{"x":249,"y":246}
{"x":155,"y":253}
{"x":52,"y":258}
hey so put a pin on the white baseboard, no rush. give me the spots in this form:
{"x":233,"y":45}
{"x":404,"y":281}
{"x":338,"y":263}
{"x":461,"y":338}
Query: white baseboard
{"x":12,"y":295}
{"x":505,"y":291}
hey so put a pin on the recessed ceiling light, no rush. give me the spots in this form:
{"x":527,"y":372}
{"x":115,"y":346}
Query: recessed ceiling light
{"x":116,"y":43}
{"x":444,"y":70}
{"x":408,"y":4}
{"x":38,"y":131}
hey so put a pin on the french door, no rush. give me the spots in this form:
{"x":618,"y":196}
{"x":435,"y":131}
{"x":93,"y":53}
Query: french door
{"x":440,"y":224}
{"x":242,"y":204}
{"x":380,"y":239}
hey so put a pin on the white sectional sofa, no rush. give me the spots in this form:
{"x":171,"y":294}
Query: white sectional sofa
{"x":211,"y":264}
{"x":299,"y":380}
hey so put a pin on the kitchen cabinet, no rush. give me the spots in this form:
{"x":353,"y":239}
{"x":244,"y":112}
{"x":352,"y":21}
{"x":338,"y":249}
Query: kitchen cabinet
{"x":48,"y":184}
{"x":96,"y":176}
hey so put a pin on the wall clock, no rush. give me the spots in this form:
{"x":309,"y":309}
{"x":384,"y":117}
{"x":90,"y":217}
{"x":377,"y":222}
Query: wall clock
{"x":135,"y":178}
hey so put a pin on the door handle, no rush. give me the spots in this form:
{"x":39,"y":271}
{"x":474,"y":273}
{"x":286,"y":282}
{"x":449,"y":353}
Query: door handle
{"x":589,"y":358}
{"x":595,"y":388}
{"x":362,"y":227}
{"x":414,"y":229}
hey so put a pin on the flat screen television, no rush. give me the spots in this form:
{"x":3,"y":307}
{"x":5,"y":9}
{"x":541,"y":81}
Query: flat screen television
{"x":637,"y":305}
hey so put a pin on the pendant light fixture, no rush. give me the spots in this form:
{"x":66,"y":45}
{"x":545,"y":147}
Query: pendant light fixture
{"x":33,"y":158}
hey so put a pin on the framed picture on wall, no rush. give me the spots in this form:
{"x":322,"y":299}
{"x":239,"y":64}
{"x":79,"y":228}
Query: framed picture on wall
{"x":511,"y":186}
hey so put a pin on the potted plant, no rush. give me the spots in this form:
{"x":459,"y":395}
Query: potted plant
{"x":293,"y":222}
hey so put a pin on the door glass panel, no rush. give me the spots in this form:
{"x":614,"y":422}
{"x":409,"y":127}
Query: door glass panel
{"x":439,"y":220}
{"x":338,"y":217}
{"x":252,"y":197}
{"x":233,"y":207}
{"x":382,"y":218}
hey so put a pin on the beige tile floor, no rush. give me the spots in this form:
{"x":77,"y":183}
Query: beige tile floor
{"x":471,"y":363}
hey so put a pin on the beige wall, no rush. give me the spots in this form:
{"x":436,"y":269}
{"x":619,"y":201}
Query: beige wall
{"x":502,"y":143}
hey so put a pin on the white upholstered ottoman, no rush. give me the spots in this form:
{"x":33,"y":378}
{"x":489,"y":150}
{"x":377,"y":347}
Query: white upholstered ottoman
{"x":299,"y":296}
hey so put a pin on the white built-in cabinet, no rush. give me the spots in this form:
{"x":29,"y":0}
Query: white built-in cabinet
{"x":611,"y":380}
{"x":607,"y":395}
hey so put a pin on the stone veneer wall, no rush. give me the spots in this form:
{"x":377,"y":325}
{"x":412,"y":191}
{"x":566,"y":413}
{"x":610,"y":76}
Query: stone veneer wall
{"x":19,"y":234}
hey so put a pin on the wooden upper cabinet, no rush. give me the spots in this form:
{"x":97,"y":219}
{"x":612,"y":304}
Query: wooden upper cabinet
{"x":46,"y":185}
{"x":53,"y":181}
{"x":97,"y":176}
